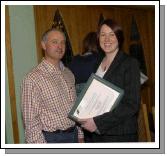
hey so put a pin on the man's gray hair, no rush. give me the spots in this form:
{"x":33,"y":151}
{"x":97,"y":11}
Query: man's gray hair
{"x":45,"y":34}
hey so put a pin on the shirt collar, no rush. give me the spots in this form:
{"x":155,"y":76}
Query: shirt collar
{"x":52,"y":68}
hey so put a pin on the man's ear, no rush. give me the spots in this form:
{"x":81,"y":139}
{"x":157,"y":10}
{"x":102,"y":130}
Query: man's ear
{"x":43,"y":45}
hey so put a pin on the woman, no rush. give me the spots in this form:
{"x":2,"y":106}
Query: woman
{"x":85,"y":64}
{"x":117,"y":67}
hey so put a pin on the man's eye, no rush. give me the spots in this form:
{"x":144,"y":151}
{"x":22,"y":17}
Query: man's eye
{"x":63,"y":43}
{"x":54,"y":42}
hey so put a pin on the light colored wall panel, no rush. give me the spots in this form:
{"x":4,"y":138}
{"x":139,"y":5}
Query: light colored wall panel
{"x":23,"y":44}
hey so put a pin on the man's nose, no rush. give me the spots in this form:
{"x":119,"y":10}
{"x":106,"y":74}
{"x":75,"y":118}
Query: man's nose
{"x":59,"y":45}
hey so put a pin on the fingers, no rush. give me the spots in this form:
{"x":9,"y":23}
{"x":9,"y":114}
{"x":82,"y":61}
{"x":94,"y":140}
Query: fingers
{"x":82,"y":121}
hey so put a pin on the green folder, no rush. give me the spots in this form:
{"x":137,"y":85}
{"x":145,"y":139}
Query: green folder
{"x":103,"y":83}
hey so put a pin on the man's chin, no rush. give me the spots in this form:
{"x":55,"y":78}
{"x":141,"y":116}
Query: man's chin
{"x":60,"y":56}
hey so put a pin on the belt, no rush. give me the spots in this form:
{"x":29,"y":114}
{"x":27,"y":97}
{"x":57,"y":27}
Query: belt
{"x":68,"y":130}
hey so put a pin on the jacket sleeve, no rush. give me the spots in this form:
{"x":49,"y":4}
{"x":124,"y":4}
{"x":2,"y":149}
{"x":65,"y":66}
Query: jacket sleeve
{"x":129,"y":105}
{"x":31,"y":109}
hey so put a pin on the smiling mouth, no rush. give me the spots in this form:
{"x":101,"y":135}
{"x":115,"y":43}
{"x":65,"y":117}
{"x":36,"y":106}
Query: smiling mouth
{"x":107,"y":45}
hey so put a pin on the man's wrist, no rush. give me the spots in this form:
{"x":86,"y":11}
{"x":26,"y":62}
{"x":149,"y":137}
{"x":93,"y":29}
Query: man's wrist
{"x":81,"y":140}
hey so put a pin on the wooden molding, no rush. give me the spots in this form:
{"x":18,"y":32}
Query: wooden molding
{"x":11,"y":77}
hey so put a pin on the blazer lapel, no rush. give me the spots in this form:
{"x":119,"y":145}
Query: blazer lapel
{"x":117,"y":60}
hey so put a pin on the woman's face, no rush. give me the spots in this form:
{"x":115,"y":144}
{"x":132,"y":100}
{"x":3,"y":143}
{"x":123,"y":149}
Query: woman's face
{"x":108,"y":40}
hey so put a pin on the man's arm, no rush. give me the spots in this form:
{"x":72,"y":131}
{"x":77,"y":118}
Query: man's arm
{"x":80,"y":135}
{"x":31,"y":110}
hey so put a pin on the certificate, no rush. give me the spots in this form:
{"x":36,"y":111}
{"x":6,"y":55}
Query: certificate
{"x":97,"y":97}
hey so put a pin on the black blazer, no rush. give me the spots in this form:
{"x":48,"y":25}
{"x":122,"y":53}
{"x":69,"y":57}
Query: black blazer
{"x":123,"y":72}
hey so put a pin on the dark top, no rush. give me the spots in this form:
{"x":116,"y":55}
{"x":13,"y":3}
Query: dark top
{"x":123,"y":72}
{"x":83,"y":66}
{"x":120,"y":125}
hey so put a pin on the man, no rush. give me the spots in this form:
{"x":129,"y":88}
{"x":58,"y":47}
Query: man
{"x":48,"y":93}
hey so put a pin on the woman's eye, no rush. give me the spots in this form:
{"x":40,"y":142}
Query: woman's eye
{"x":112,"y":34}
{"x":102,"y":35}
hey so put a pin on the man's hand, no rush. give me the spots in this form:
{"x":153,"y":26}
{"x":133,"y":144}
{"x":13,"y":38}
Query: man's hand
{"x":81,"y":140}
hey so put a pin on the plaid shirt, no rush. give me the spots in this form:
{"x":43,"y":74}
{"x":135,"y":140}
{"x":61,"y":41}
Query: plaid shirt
{"x":48,"y":94}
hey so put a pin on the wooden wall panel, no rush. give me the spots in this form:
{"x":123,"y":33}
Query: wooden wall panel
{"x":147,"y":37}
{"x":79,"y":20}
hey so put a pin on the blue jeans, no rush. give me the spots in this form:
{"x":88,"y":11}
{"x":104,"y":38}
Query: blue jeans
{"x":62,"y":136}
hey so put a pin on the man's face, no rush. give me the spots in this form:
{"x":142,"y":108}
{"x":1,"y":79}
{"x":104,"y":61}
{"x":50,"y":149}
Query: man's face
{"x":54,"y":46}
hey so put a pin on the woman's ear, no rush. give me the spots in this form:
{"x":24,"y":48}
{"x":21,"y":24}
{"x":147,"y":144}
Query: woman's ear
{"x":43,"y":45}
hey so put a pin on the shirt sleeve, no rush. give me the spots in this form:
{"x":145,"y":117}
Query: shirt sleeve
{"x":80,"y":132}
{"x":31,"y":109}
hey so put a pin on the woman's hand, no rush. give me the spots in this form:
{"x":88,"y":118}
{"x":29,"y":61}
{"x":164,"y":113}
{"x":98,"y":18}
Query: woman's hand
{"x":88,"y":124}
